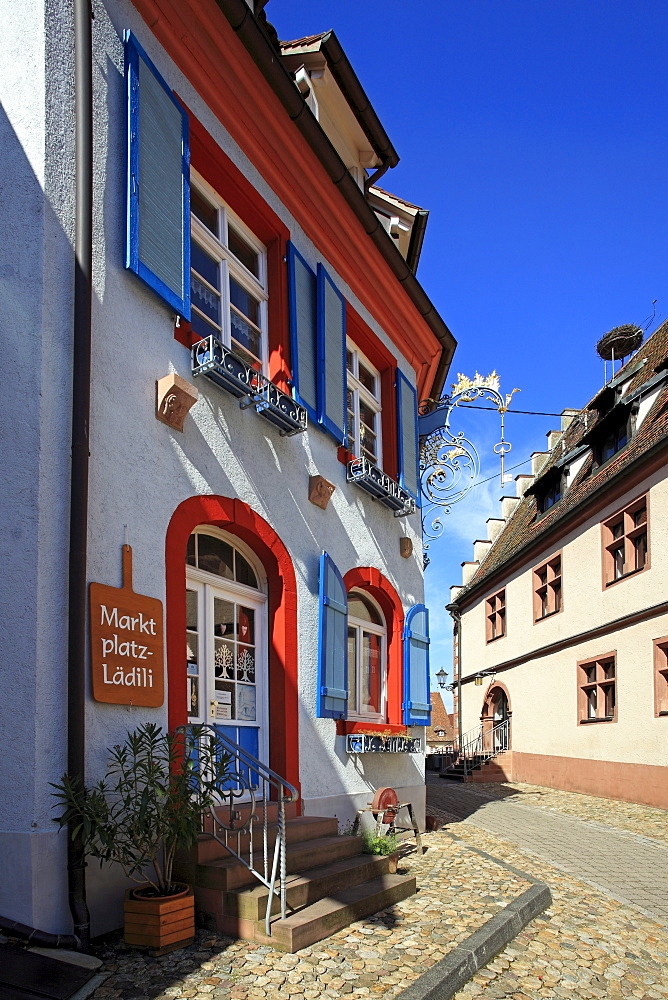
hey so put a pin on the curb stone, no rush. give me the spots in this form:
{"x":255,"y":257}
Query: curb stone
{"x":452,"y":972}
{"x":449,"y":975}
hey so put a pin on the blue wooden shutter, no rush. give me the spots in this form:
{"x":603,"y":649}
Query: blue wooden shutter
{"x":158,"y":182}
{"x":303,"y":331}
{"x":332,"y":700}
{"x":416,"y":705}
{"x":331,"y":357}
{"x":408,"y":437}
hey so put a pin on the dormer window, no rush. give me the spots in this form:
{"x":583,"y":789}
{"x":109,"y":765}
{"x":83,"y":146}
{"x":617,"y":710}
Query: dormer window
{"x":551,"y":495}
{"x":616,"y":436}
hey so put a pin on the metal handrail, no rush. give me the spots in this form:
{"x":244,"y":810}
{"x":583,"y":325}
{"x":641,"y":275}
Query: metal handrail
{"x":243,"y":799}
{"x":480,"y":745}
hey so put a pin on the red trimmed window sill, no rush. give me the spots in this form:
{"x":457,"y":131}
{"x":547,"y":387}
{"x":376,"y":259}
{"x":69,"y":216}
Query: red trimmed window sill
{"x":344,"y":727}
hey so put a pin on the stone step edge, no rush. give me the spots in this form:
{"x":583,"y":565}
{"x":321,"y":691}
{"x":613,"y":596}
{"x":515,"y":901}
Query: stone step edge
{"x":448,"y":976}
{"x":336,"y":912}
{"x":353,"y":866}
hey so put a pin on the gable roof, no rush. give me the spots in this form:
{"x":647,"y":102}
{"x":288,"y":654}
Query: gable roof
{"x":440,"y":720}
{"x":528,"y":528}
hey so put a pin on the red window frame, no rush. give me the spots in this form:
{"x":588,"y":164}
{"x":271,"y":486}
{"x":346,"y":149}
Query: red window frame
{"x":594,"y":677}
{"x":620,"y":536}
{"x":495,"y":616}
{"x":661,"y":677}
{"x":548,"y":598}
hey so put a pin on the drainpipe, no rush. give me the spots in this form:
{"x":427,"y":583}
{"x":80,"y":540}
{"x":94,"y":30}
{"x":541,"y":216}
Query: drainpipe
{"x":81,"y":365}
{"x":456,"y":615}
{"x":376,"y":176}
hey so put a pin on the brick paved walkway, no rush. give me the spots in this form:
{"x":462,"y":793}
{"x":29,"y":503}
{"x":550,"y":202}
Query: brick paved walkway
{"x":630,"y":867}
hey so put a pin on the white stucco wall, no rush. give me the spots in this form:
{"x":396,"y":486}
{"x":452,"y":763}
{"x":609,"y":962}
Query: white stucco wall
{"x":543,"y":691}
{"x":140,"y":470}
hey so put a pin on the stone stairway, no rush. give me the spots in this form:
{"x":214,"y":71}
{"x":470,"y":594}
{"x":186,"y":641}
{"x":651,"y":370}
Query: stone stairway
{"x":330,"y":884}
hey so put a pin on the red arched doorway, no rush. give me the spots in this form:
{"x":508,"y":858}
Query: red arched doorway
{"x":237,"y":518}
{"x":495,"y":718}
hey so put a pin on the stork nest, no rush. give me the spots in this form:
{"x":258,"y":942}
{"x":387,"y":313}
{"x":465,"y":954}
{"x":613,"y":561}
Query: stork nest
{"x":620,"y":342}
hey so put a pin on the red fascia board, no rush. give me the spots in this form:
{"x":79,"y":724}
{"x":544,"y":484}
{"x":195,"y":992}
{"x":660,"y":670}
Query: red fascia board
{"x":204,"y":46}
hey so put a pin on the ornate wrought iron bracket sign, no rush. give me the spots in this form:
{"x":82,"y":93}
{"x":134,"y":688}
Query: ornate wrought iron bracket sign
{"x":381,"y":486}
{"x":449,"y":462}
{"x":211,"y":358}
{"x":367,"y":743}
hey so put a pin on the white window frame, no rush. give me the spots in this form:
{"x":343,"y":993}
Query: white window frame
{"x":360,"y":626}
{"x":360,"y":392}
{"x":230,"y":267}
{"x":207,"y":586}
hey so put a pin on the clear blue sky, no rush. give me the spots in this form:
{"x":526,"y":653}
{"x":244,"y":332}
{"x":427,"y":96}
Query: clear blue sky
{"x":536,"y":133}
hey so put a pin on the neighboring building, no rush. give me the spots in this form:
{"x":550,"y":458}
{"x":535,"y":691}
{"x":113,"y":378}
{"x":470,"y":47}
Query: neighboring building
{"x":564,"y":608}
{"x":251,"y":233}
{"x":441,"y":733}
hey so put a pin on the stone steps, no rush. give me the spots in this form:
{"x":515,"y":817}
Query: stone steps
{"x":330,"y":884}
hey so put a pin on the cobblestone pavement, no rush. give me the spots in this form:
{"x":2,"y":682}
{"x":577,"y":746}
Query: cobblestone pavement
{"x":586,"y":945}
{"x":458,"y":892}
{"x":631,"y":867}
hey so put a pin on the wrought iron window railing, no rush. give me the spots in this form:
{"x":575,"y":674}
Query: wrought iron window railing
{"x":381,"y":486}
{"x":212,"y":358}
{"x":241,"y":819}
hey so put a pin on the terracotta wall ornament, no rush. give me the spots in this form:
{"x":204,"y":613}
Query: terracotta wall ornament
{"x":126,"y":643}
{"x":406,"y":547}
{"x":174,"y":397}
{"x":320,"y":491}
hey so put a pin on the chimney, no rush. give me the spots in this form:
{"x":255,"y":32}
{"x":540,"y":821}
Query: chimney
{"x":567,"y":417}
{"x":481,"y":547}
{"x":538,"y":460}
{"x":523,"y":481}
{"x":553,"y":439}
{"x":508,"y":505}
{"x":469,"y":570}
{"x":495,"y":526}
{"x":454,"y":593}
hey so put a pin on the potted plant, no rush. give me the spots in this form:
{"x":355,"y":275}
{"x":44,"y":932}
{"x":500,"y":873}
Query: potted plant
{"x":148,"y":806}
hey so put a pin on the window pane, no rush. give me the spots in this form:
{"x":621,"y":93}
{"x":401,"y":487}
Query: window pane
{"x":202,"y":327}
{"x":640,"y":516}
{"x":190,"y":552}
{"x":362,"y":608}
{"x":371,"y":677}
{"x":367,"y":415}
{"x":352,"y":670}
{"x":619,"y":562}
{"x":244,"y":302}
{"x":242,"y":250}
{"x":246,"y":336}
{"x":640,"y":551}
{"x":556,"y":590}
{"x":204,"y":210}
{"x":349,"y":361}
{"x":367,"y":378}
{"x":591,"y":704}
{"x":206,"y":266}
{"x":215,"y":556}
{"x":244,"y":572}
{"x":246,"y":664}
{"x":610,"y":700}
{"x":191,"y":611}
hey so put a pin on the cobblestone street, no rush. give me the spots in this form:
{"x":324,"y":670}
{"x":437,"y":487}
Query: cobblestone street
{"x":587,"y":944}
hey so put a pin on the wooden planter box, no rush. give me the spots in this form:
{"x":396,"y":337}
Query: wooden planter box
{"x":162,"y":924}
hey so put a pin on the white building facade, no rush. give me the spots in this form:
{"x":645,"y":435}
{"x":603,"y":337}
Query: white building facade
{"x":252,"y":524}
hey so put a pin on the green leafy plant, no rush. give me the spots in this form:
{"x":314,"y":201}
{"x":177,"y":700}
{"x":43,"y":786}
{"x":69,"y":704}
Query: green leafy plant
{"x":372,"y":844}
{"x":149,"y":803}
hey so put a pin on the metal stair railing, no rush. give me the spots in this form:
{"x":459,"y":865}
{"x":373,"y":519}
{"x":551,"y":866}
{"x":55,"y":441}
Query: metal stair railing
{"x":242,"y":811}
{"x":479,"y":745}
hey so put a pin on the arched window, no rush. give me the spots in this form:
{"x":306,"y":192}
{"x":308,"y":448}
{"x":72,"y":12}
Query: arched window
{"x":226,"y":639}
{"x":367,"y":658}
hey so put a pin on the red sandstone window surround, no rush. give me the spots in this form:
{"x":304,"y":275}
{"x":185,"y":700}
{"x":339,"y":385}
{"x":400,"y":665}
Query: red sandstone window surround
{"x":597,"y":689}
{"x":547,"y":594}
{"x":625,"y":540}
{"x":661,"y":676}
{"x":495,"y":619}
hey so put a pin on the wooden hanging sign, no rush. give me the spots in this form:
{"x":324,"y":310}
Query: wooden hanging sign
{"x":126,"y":641}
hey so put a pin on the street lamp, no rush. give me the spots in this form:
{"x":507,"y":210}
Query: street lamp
{"x":441,"y":677}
